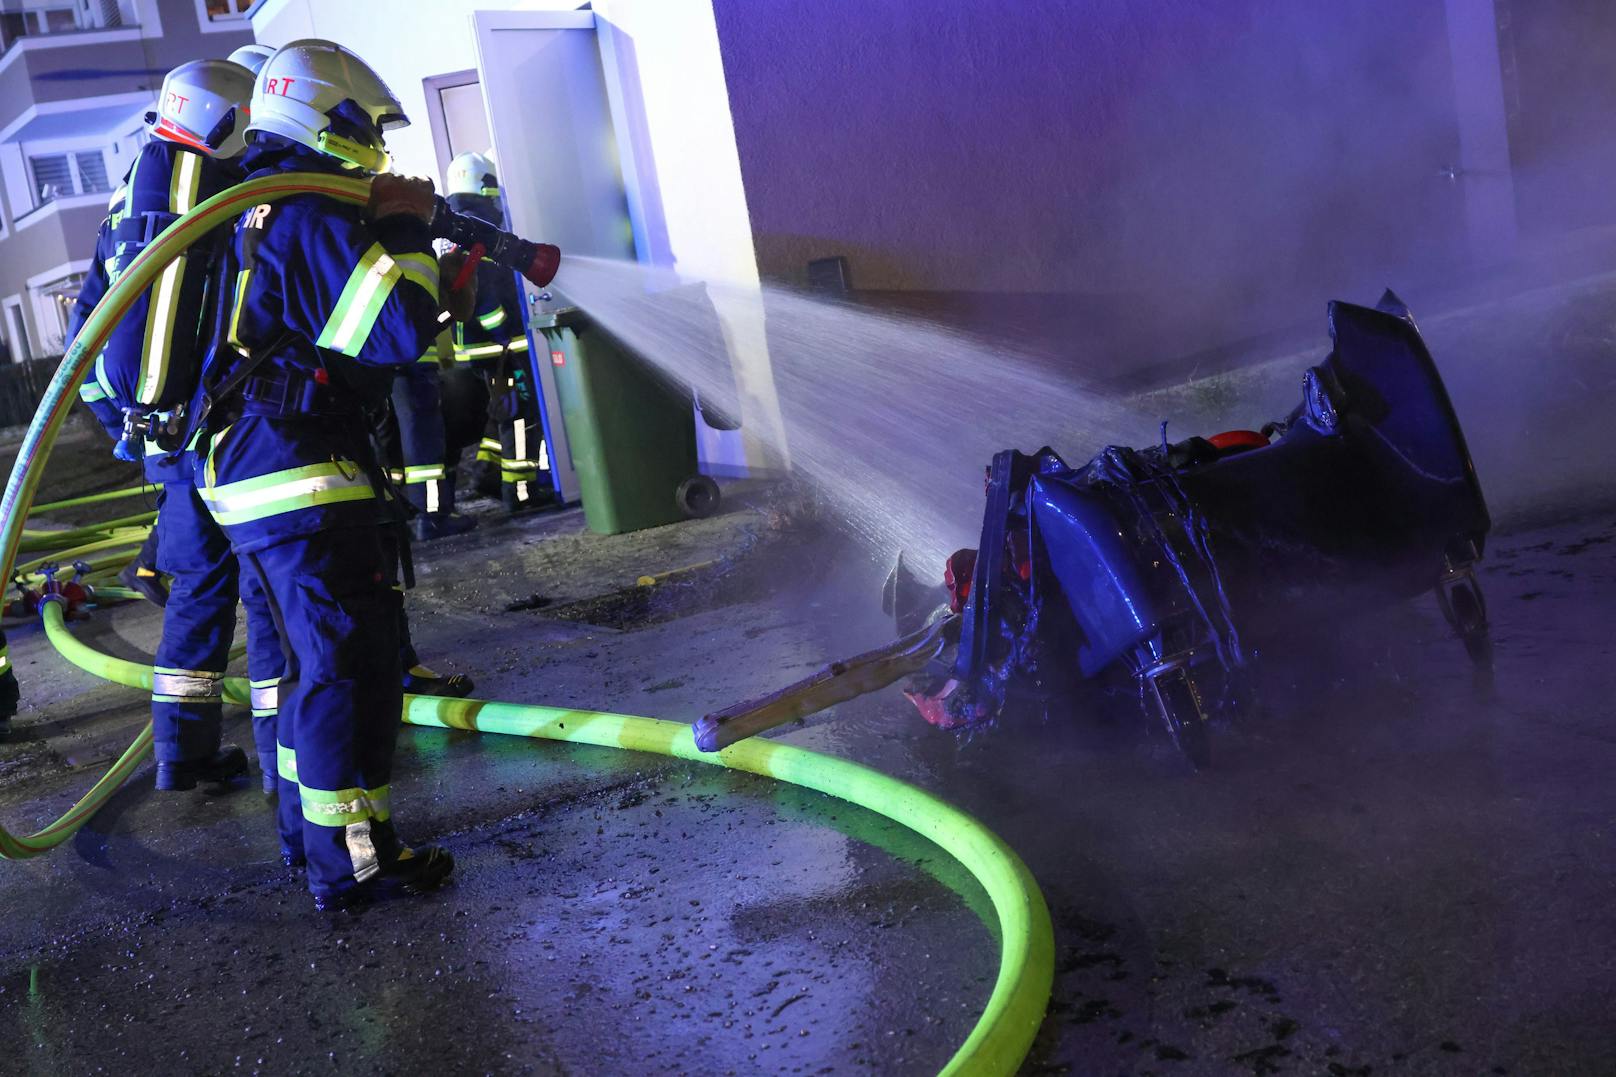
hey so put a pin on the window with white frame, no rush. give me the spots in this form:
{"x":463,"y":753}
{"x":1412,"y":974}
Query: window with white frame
{"x":121,"y":154}
{"x":92,"y":172}
{"x":64,"y":175}
{"x":224,"y":10}
{"x":52,"y":177}
{"x":39,"y":17}
{"x":17,"y":342}
{"x":35,"y":18}
{"x":53,"y":306}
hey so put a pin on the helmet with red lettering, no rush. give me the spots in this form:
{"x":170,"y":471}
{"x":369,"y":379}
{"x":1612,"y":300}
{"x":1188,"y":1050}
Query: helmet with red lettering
{"x":318,"y":94}
{"x":473,"y":173}
{"x":252,"y":57}
{"x":203,"y":105}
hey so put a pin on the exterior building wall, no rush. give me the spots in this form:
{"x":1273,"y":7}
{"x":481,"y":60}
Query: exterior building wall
{"x":1560,"y":100}
{"x":65,"y":67}
{"x":1178,"y":172}
{"x":55,"y":241}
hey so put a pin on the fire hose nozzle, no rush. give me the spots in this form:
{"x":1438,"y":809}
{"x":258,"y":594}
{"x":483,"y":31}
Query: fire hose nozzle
{"x":546,"y":261}
{"x":537,"y":262}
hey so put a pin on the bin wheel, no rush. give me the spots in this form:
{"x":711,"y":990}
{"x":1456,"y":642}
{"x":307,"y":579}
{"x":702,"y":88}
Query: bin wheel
{"x":1466,"y":611}
{"x":698,"y":497}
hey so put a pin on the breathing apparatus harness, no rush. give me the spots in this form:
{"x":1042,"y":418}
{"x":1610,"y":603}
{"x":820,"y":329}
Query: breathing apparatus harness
{"x":168,"y":428}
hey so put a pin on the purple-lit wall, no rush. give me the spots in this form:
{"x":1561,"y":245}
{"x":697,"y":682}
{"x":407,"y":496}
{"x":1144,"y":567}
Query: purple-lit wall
{"x":1563,"y":112}
{"x":1197,"y":172}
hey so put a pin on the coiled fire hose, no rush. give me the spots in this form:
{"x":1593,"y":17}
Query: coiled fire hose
{"x":1015,"y":1008}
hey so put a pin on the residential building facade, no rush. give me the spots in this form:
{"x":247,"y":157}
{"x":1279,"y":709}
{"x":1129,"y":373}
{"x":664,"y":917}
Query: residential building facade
{"x":76,"y":80}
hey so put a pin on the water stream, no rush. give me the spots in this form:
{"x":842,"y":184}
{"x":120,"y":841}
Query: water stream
{"x":892,"y":419}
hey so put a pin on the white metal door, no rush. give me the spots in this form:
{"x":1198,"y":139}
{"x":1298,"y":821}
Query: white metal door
{"x":558,"y":166}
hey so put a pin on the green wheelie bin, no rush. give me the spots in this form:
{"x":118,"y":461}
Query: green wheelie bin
{"x":631,"y":432}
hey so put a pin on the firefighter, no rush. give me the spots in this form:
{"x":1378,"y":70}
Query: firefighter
{"x":148,"y":371}
{"x":196,"y":632}
{"x":330,"y":300}
{"x":494,"y":344}
{"x":95,"y":392}
{"x":414,"y":436}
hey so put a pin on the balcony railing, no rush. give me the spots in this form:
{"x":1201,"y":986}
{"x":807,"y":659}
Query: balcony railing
{"x":20,"y":19}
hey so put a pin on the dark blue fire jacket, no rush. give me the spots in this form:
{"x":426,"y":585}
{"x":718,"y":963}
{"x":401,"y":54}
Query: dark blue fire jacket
{"x":328,"y":305}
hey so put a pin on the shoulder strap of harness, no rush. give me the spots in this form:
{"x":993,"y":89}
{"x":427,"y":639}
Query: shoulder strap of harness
{"x":210,"y":394}
{"x":142,"y":229}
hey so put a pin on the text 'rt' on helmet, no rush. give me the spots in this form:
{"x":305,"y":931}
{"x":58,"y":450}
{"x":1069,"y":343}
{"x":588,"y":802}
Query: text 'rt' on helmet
{"x":318,"y":94}
{"x":203,"y":105}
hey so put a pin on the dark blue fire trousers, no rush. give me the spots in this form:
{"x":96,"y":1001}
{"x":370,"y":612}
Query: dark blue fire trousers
{"x":198,"y":625}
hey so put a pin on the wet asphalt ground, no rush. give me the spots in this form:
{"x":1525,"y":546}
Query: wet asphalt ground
{"x":1396,"y":866}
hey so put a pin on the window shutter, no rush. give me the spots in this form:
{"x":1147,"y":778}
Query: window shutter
{"x":92,"y":172}
{"x":53,"y":178}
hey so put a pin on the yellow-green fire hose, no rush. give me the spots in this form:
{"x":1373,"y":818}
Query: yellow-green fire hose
{"x":50,"y":540}
{"x":1015,"y":1008}
{"x":94,"y":499}
{"x":125,"y":543}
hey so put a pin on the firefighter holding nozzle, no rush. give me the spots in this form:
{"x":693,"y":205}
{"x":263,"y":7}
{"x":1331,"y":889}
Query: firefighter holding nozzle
{"x":331,"y":300}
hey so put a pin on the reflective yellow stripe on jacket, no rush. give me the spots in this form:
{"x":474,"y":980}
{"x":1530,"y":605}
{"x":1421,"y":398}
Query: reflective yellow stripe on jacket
{"x":286,"y":491}
{"x":165,"y":294}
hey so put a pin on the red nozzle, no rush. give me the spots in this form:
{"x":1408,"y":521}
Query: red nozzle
{"x":546,"y":260}
{"x":467,"y":271}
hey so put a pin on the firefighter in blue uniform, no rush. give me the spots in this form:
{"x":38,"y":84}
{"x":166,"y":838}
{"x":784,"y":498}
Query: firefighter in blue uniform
{"x":148,"y":372}
{"x":141,"y":574}
{"x":469,"y":418}
{"x":415,"y":438}
{"x":416,"y":434}
{"x":330,"y":300}
{"x":494,"y":344}
{"x":104,"y":266}
{"x":196,"y":632}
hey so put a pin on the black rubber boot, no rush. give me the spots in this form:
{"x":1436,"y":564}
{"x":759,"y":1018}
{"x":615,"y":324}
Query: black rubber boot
{"x":416,"y":871}
{"x":10,"y":697}
{"x":485,"y":478}
{"x":421,"y":681}
{"x":142,"y":575}
{"x":435,"y":525}
{"x":225,"y":765}
{"x":541,"y":496}
{"x":146,"y":580}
